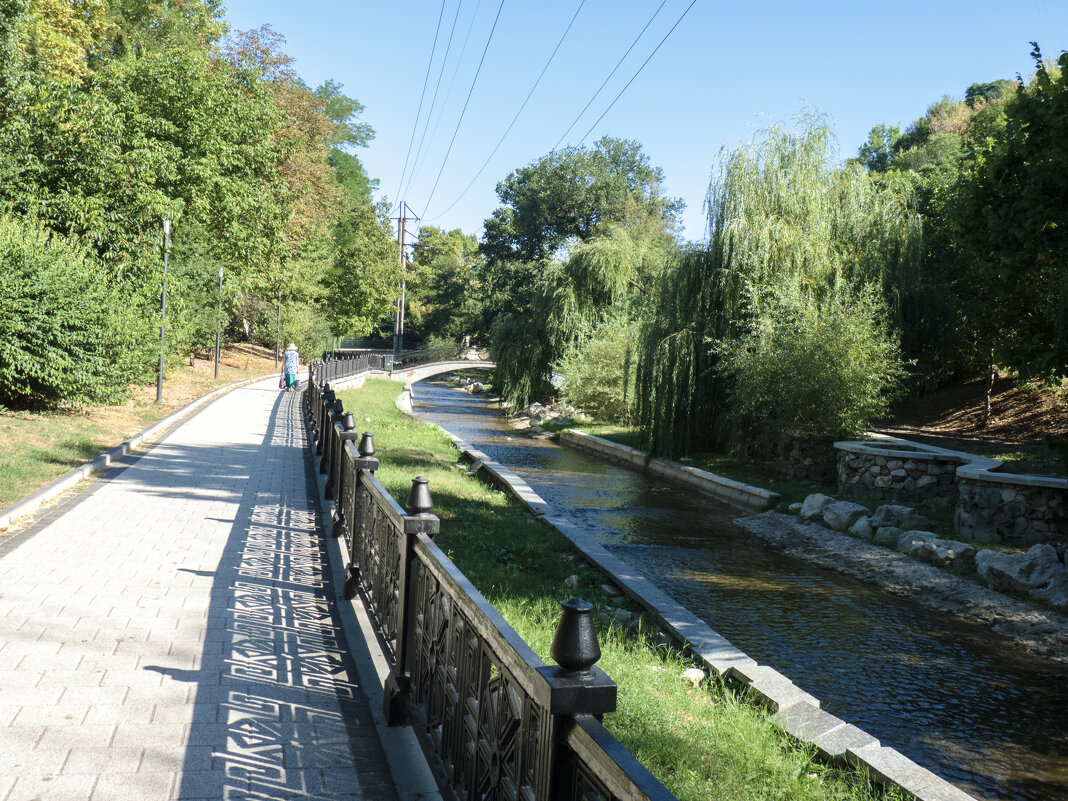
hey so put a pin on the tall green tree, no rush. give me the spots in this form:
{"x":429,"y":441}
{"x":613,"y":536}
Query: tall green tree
{"x":789,"y":233}
{"x":444,"y":293}
{"x":1010,"y":220}
{"x":568,"y":244}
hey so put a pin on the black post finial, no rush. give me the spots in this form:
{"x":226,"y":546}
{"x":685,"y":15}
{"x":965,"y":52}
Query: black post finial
{"x":575,"y":647}
{"x":348,"y":422}
{"x":367,"y":445}
{"x":419,"y":498}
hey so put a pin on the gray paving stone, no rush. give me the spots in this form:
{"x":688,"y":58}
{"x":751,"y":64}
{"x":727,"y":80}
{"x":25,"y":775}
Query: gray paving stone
{"x":60,"y":737}
{"x":101,"y":759}
{"x":22,"y":762}
{"x":52,"y":788}
{"x":141,"y":640}
{"x":116,"y":786}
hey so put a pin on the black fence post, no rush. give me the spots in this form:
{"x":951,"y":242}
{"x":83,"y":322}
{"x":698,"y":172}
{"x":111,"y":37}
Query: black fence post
{"x":576,"y":686}
{"x":335,"y":444}
{"x":417,"y":521}
{"x":363,"y":466}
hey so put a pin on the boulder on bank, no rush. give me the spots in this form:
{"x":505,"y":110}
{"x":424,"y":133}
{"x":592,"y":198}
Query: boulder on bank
{"x":477,"y":388}
{"x":840,"y":515}
{"x":887,"y":535}
{"x":903,"y":517}
{"x":910,"y":541}
{"x":1037,"y":568}
{"x":813,"y":506}
{"x":945,"y":553}
{"x":862,"y":528}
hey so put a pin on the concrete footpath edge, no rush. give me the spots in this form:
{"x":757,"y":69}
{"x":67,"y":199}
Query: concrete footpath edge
{"x":795,"y":711}
{"x":38,"y":498}
{"x":723,"y":489}
{"x":408,"y":766}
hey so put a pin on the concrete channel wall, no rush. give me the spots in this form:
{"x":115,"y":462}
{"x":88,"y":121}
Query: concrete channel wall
{"x":794,"y":710}
{"x":736,"y":493}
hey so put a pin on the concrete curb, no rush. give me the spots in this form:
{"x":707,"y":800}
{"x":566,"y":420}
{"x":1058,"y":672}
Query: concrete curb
{"x":756,"y":499}
{"x":35,"y":500}
{"x":794,"y":710}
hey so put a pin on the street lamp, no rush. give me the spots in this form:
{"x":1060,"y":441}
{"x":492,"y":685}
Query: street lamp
{"x":163,"y":317}
{"x":218,"y":324}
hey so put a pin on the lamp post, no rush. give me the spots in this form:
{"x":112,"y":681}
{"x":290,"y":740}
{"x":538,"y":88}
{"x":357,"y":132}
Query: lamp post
{"x":218,"y":324}
{"x":278,"y":331}
{"x":163,"y":316}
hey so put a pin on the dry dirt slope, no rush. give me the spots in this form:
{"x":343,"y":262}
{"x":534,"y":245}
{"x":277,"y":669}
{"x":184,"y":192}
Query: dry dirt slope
{"x":1020,"y":417}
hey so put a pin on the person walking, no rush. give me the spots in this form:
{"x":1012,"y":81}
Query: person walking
{"x":292,"y":363}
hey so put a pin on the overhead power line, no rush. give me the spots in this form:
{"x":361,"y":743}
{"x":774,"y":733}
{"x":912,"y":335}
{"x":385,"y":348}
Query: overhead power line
{"x":415,"y":125}
{"x":434,"y":98}
{"x":452,"y":82}
{"x":621,"y":91}
{"x":464,"y":110}
{"x":613,"y":72}
{"x":520,"y":111}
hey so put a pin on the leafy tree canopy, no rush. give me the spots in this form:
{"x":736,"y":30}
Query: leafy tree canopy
{"x":568,"y":195}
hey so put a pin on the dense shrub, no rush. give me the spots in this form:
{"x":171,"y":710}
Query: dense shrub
{"x":65,"y":335}
{"x":811,"y":368}
{"x":597,"y":372}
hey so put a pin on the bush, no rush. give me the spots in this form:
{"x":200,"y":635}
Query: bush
{"x":65,"y":335}
{"x":812,"y":368}
{"x":598,"y":374}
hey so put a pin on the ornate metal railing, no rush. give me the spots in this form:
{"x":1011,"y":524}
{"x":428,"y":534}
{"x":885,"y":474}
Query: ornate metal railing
{"x":323,"y":372}
{"x":412,"y":358}
{"x":494,"y":720}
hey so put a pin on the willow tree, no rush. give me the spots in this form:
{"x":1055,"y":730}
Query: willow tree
{"x":578,"y":303}
{"x":786,"y":230}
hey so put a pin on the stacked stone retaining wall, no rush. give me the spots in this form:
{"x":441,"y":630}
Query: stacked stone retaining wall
{"x":990,"y":506}
{"x":1013,"y":513}
{"x":893,"y":474}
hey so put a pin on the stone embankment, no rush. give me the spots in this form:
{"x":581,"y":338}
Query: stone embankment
{"x":990,"y":505}
{"x":892,"y":549}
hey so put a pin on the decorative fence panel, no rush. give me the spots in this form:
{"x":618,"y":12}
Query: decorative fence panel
{"x":494,"y":720}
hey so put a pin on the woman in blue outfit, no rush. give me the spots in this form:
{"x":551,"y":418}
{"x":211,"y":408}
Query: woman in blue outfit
{"x":291,"y":366}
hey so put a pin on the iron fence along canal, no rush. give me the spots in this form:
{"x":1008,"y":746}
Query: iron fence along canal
{"x":494,"y":721}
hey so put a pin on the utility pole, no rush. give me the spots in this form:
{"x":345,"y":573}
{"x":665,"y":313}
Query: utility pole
{"x":398,"y":314}
{"x":163,"y":315}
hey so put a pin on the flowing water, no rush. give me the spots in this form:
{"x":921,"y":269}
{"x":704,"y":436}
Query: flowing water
{"x":951,"y":696}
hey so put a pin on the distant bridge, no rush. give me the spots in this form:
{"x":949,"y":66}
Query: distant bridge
{"x":411,"y":367}
{"x":417,"y":373}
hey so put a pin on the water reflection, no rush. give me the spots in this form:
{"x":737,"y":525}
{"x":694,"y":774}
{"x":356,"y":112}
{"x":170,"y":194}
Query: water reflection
{"x":949,"y":695}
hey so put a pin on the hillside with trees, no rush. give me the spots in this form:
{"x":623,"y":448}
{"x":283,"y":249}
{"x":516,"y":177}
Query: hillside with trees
{"x":116,"y":116}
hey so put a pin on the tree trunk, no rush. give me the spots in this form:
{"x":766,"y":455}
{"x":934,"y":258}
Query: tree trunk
{"x":989,"y":391}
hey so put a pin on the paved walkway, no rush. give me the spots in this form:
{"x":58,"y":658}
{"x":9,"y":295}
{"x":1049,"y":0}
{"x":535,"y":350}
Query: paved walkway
{"x":173,"y":633}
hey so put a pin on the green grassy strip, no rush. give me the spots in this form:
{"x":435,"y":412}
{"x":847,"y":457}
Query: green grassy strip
{"x":44,"y":446}
{"x":702,"y":743}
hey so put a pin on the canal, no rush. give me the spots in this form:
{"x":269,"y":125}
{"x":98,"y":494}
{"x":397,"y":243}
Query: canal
{"x":951,"y":696}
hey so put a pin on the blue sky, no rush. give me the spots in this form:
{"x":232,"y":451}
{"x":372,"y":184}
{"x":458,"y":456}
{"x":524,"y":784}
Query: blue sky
{"x":726,"y":72}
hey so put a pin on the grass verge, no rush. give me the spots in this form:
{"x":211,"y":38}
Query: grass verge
{"x":702,"y":742}
{"x":39,"y":447}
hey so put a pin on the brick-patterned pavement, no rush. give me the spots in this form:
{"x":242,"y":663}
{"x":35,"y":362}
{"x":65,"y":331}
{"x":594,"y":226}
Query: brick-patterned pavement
{"x":172,"y":632}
